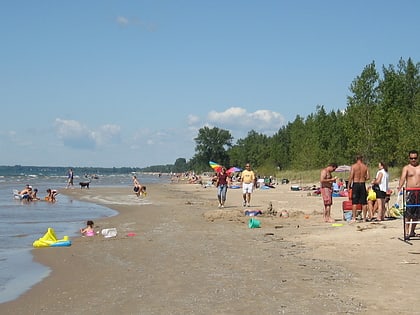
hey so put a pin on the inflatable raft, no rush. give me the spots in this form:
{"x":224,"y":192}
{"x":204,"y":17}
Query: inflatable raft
{"x":50,"y":240}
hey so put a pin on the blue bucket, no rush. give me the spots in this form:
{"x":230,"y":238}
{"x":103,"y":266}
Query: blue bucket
{"x":348,"y":215}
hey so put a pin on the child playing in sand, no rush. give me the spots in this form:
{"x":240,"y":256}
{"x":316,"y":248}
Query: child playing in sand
{"x":88,"y":230}
{"x":139,"y":189}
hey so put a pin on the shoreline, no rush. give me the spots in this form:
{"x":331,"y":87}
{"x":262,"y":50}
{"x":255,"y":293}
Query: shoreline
{"x":187,"y":256}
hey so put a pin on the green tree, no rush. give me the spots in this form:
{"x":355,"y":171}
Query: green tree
{"x":212,"y":145}
{"x":280,"y":148}
{"x":360,"y":125}
{"x":180,"y":165}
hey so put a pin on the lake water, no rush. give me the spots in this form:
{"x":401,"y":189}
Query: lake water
{"x":22,"y":223}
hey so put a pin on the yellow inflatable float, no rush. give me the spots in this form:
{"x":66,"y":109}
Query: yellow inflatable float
{"x":50,"y":240}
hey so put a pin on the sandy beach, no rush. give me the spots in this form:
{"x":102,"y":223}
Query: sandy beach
{"x":177,"y":253}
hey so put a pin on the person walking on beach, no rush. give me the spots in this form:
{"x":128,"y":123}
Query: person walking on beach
{"x":327,"y":181}
{"x":222,"y":182}
{"x":410,"y":176}
{"x":70,"y":178}
{"x":359,"y":174}
{"x":248,"y":180}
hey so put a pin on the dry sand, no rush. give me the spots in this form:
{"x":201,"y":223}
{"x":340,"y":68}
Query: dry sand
{"x":188,"y":257}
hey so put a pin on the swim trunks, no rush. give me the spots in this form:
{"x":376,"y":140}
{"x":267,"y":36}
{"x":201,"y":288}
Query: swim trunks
{"x":359,"y":194}
{"x":326,"y":194}
{"x":412,"y":204}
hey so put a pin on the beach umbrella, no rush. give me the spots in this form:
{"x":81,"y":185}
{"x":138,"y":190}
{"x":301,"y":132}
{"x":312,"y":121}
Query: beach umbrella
{"x":343,"y":168}
{"x":234,"y":169}
{"x":215,"y":166}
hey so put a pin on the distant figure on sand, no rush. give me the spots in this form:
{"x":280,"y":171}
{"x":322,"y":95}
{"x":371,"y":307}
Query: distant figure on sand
{"x":326,"y":190}
{"x":70,"y":178}
{"x":88,"y":230}
{"x":139,"y":189}
{"x":359,"y":174}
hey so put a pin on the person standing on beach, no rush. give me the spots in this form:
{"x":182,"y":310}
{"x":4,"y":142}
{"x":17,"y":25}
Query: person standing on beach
{"x":70,"y":178}
{"x":359,"y":174}
{"x":381,"y":182}
{"x":326,"y":190}
{"x":410,"y":175}
{"x":222,"y":183}
{"x":248,"y":180}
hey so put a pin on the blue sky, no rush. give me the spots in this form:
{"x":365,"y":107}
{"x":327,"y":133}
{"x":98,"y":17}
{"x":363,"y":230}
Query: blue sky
{"x":129,"y":83}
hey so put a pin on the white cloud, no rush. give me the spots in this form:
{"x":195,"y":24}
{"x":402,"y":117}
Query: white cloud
{"x":122,"y":20}
{"x":228,"y":115}
{"x":192,"y":119}
{"x":75,"y":135}
{"x":125,"y":22}
{"x":107,"y":134}
{"x":241,"y":121}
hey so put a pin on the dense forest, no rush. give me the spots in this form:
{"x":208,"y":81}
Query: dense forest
{"x":381,"y":122}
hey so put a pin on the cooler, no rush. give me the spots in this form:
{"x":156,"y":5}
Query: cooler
{"x":347,"y":207}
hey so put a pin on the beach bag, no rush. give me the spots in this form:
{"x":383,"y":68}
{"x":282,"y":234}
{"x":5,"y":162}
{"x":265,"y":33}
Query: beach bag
{"x":371,"y":195}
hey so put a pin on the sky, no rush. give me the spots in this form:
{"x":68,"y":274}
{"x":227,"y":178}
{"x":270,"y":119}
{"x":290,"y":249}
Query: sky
{"x":129,"y":83}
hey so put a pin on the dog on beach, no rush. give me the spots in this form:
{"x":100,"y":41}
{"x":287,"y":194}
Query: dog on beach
{"x":84,"y":185}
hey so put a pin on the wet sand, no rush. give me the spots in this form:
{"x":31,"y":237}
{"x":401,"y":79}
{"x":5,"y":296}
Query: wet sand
{"x":177,"y":253}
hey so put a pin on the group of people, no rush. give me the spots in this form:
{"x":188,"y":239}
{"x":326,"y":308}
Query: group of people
{"x":247,"y":179}
{"x":31,"y":194}
{"x":359,"y":175}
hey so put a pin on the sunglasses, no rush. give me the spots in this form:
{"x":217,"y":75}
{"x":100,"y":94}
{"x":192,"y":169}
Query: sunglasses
{"x":413,"y":158}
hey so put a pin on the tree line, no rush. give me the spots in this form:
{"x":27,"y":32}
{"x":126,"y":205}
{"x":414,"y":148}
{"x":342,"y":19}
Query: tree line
{"x":381,"y":122}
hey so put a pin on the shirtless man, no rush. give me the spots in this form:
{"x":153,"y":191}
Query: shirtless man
{"x":359,"y":174}
{"x":327,"y":181}
{"x":26,"y":193}
{"x":410,"y":175}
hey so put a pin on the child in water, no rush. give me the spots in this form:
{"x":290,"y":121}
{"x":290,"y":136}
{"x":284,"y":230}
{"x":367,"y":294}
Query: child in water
{"x":88,"y":230}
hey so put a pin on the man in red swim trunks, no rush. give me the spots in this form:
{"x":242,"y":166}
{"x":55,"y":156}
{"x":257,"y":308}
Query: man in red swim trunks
{"x":326,"y":181}
{"x":359,"y":174}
